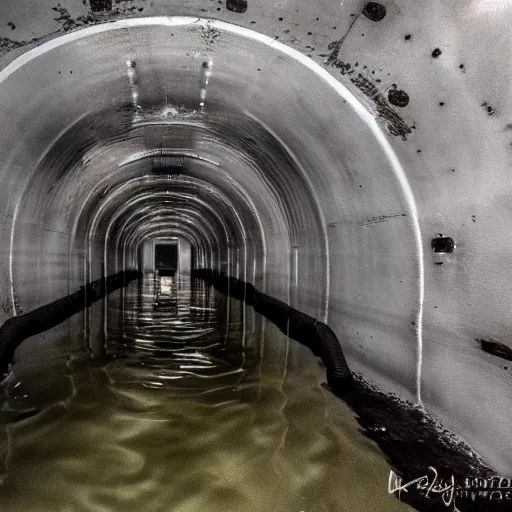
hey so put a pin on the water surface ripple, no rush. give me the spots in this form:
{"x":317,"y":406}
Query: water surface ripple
{"x":177,"y":421}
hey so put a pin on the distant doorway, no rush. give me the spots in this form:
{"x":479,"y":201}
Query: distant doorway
{"x":166,"y":259}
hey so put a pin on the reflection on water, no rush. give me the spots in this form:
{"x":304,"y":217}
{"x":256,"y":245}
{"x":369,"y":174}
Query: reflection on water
{"x":184,"y":415}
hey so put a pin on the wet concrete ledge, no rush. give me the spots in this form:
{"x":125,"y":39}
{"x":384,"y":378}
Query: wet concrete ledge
{"x":450,"y":476}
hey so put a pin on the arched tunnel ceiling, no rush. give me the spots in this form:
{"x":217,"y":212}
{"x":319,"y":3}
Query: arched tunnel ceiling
{"x":449,"y":131}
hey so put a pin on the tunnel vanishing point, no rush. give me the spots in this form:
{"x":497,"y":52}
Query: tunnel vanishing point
{"x":267,"y":167}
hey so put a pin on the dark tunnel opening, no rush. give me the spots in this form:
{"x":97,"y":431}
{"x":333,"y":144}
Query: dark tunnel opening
{"x":166,"y":258}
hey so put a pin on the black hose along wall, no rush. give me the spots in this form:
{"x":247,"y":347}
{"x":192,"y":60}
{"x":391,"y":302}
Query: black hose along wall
{"x":308,"y":331}
{"x":409,"y":439}
{"x":16,"y":329}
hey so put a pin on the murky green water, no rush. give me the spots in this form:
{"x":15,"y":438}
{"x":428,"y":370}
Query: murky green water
{"x":187,"y":431}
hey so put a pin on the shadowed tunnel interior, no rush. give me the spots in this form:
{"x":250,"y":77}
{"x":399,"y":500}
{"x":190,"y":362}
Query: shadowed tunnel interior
{"x":247,"y":158}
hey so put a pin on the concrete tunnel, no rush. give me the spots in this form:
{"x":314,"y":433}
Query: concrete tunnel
{"x":355,"y":168}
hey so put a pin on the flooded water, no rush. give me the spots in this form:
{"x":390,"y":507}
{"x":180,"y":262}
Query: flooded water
{"x":187,"y":412}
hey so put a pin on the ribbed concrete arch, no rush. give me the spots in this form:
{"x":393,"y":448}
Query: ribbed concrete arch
{"x":274,"y":179}
{"x":354,"y":208}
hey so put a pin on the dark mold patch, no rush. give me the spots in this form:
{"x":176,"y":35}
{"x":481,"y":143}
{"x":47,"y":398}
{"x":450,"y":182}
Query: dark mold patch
{"x":496,"y":348}
{"x":17,"y":303}
{"x":69,"y":23}
{"x":490,"y":110}
{"x":374,"y":11}
{"x":344,"y":67}
{"x":101,"y":11}
{"x":6,"y":44}
{"x":238,"y":6}
{"x":335,"y":46}
{"x":65,"y":19}
{"x":101,"y":5}
{"x":396,"y":125}
{"x":436,"y":53}
{"x":398,"y":97}
{"x":210,"y":34}
{"x":443,"y":244}
{"x":407,"y":37}
{"x":381,"y":218}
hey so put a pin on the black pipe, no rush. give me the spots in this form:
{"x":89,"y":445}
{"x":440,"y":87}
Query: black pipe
{"x":18,"y":328}
{"x":308,"y":331}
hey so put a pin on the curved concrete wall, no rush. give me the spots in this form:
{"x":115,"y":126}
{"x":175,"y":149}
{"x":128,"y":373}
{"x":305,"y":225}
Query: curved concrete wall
{"x":321,"y":183}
